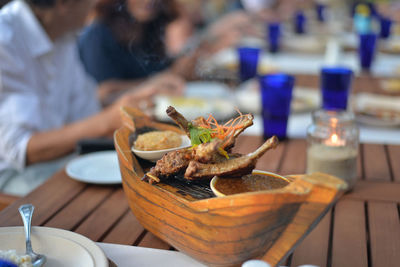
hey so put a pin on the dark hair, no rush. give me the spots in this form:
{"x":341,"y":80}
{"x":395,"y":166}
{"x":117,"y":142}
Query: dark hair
{"x":129,"y":31}
{"x":42,"y":3}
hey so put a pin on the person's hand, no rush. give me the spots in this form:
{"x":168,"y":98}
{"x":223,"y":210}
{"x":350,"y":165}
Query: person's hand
{"x":231,"y":21}
{"x":166,"y":83}
{"x":109,"y":88}
{"x":228,"y":31}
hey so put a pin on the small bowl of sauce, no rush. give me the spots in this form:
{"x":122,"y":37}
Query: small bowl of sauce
{"x":256,"y":181}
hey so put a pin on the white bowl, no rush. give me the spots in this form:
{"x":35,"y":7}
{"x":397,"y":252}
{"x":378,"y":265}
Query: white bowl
{"x":155,"y":155}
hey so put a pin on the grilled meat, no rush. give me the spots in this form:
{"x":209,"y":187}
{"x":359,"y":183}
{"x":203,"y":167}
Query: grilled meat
{"x":235,"y":167}
{"x":209,"y":158}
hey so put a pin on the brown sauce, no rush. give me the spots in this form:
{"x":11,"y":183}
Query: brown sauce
{"x":249,"y":183}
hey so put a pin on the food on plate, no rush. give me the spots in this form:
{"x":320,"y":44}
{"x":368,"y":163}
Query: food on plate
{"x":13,"y":257}
{"x":210,"y":154}
{"x":157,"y":140}
{"x":391,"y":85}
{"x":249,"y":183}
{"x":382,"y":113}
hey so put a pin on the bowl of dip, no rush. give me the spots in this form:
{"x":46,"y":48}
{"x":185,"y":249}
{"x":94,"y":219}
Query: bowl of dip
{"x":256,"y":181}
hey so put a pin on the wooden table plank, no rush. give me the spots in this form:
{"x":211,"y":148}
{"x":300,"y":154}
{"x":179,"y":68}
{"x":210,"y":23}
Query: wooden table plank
{"x":384,"y":228}
{"x":151,"y":241}
{"x":394,"y":158}
{"x":246,"y":144}
{"x":126,"y":231}
{"x":104,"y":217}
{"x":307,"y":80}
{"x":6,"y":200}
{"x":294,"y":158}
{"x":360,"y":170}
{"x":314,"y":248}
{"x":349,"y":241}
{"x":48,"y":199}
{"x":272,"y":159}
{"x":80,"y":207}
{"x":380,"y":191}
{"x":269,"y":161}
{"x":376,"y":167}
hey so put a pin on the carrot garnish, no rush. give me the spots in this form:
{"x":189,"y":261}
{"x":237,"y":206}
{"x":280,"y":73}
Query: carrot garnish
{"x":216,"y":130}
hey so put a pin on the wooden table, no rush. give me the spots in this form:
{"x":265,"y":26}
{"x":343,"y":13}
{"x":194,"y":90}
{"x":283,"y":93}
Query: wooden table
{"x":362,"y":229}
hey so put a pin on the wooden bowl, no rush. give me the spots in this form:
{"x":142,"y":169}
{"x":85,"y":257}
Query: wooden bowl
{"x":222,"y":231}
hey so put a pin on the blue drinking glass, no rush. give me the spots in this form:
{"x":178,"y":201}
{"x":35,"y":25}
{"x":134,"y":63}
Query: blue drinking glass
{"x":385,"y":26}
{"x":274,"y":33}
{"x":335,"y":87}
{"x":366,"y":50}
{"x":320,"y":8}
{"x":6,"y":263}
{"x":276,"y":95}
{"x":248,"y":62}
{"x":299,"y":22}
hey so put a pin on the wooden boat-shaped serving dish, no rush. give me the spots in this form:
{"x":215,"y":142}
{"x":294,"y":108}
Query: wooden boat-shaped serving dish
{"x":221,"y":231}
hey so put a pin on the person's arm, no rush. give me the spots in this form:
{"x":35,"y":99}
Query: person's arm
{"x":48,"y":145}
{"x":110,"y":90}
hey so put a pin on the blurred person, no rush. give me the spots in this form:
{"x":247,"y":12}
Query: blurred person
{"x":47,"y":101}
{"x":126,"y":43}
{"x":389,"y":9}
{"x":132,"y":40}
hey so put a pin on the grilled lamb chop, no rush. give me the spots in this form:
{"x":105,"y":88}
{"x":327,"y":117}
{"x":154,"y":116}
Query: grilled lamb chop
{"x":235,"y":167}
{"x":183,"y":161}
{"x":178,"y":119}
{"x":171,"y":163}
{"x":178,"y":160}
{"x":227,"y":143}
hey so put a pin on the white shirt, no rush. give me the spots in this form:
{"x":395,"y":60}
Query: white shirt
{"x":43,"y":84}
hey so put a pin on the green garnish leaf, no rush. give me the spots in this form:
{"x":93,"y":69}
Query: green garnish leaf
{"x":199,"y":135}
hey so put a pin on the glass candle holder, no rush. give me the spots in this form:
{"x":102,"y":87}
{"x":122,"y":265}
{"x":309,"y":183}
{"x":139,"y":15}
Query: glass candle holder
{"x":332,"y":145}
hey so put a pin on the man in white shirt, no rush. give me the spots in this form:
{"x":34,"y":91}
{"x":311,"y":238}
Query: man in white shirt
{"x":47,"y":102}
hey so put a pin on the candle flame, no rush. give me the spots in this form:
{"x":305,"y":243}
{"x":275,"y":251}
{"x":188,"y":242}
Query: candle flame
{"x":334,"y":139}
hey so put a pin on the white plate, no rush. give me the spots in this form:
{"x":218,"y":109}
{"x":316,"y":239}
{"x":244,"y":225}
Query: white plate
{"x":132,"y":256}
{"x":366,"y":105}
{"x":249,"y":100}
{"x":201,"y":99}
{"x":62,"y":248}
{"x":207,"y":89}
{"x":97,"y":168}
{"x":155,"y":155}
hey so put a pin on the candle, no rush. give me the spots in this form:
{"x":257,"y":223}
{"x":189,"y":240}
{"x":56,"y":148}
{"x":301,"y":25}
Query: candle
{"x":340,"y":161}
{"x":333,"y":145}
